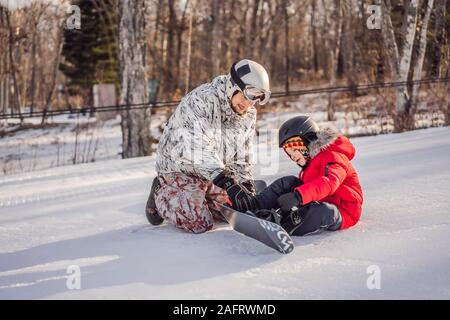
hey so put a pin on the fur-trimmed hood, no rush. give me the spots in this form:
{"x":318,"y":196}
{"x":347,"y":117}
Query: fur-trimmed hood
{"x":331,"y":138}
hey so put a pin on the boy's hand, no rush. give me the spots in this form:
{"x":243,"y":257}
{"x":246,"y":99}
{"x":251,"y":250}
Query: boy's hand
{"x":290,"y":200}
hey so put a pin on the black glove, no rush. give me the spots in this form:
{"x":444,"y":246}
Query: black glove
{"x":250,"y":186}
{"x":224,"y":180}
{"x":239,"y":196}
{"x":288,"y":201}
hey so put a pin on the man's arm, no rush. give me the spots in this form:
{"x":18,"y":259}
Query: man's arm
{"x":243,"y":163}
{"x":202,"y":123}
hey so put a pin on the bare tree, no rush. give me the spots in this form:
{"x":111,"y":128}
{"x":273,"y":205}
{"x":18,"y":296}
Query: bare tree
{"x":12,"y":65}
{"x":38,"y":11}
{"x":52,"y":86}
{"x":400,"y":60}
{"x":189,"y":49}
{"x":287,"y":61}
{"x":334,"y":44}
{"x":4,"y":74}
{"x":440,"y":38}
{"x":422,"y":45}
{"x":215,"y":37}
{"x":136,"y":139}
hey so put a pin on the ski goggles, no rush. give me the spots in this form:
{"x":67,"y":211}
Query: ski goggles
{"x":256,"y":95}
{"x":296,"y":144}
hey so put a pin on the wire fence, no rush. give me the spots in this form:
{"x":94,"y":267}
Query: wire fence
{"x":164,"y":104}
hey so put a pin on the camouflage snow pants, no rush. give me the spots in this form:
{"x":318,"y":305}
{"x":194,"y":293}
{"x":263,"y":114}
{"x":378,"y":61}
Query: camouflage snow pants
{"x":187,"y":202}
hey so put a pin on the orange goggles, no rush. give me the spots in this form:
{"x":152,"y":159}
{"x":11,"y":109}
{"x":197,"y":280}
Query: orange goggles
{"x":297,"y":144}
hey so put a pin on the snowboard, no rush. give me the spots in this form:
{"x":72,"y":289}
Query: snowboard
{"x":269,"y":233}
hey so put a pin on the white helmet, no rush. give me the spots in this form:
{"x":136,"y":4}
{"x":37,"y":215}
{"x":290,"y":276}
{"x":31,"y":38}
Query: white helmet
{"x":250,"y":78}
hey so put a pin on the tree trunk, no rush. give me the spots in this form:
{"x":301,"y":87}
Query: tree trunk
{"x":254,"y":27}
{"x":261,"y":43}
{"x":215,"y":38}
{"x":48,"y":101}
{"x":404,"y":119}
{"x":4,"y":94}
{"x":12,"y":67}
{"x":389,"y":42}
{"x":274,"y":41}
{"x":333,"y":47}
{"x":286,"y":45}
{"x":314,"y":36}
{"x":418,"y":63}
{"x":170,"y":65}
{"x":180,"y":31}
{"x":33,"y":72}
{"x":189,"y":49}
{"x":4,"y":75}
{"x":154,"y":68}
{"x":400,"y":61}
{"x":439,"y":42}
{"x":136,"y":139}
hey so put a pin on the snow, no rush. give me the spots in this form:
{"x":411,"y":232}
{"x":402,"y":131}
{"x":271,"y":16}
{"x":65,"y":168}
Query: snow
{"x":92,"y":216}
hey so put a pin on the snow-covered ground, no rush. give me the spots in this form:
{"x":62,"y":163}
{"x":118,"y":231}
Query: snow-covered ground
{"x":65,"y":140}
{"x":92,"y":216}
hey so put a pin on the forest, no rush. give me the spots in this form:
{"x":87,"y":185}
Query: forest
{"x":52,"y":54}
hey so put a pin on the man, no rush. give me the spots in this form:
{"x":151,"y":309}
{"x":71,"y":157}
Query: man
{"x":204,"y":154}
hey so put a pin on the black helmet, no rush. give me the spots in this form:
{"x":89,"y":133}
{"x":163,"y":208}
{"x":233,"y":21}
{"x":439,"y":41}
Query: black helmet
{"x":302,"y":126}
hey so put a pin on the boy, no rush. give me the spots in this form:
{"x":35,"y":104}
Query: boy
{"x":327,"y":194}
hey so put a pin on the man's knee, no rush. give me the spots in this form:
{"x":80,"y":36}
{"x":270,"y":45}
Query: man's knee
{"x":195,"y":219}
{"x":196,"y":226}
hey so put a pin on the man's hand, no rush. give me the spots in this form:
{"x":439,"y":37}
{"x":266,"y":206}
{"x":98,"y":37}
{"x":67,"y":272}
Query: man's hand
{"x":224,"y":180}
{"x":250,"y":186}
{"x":241,"y":198}
{"x":290,"y":200}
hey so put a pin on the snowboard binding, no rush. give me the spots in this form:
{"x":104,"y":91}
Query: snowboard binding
{"x":269,"y":215}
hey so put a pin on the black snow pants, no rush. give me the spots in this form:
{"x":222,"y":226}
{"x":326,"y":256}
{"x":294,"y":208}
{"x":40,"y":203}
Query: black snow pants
{"x":312,"y":218}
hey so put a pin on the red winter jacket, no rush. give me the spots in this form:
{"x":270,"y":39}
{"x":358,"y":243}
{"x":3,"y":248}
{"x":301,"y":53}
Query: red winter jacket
{"x":330,"y":177}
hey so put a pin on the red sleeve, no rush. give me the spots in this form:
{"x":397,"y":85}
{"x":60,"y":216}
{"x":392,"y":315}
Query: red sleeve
{"x":333,"y":171}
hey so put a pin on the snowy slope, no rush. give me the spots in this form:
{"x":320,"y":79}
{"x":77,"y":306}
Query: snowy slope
{"x":92,"y":216}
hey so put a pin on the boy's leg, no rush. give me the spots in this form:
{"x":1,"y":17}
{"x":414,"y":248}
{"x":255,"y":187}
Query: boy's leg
{"x":181,"y":202}
{"x":313,"y":218}
{"x":267,"y":199}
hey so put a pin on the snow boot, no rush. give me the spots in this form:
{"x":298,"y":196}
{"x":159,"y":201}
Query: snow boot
{"x":150,"y":210}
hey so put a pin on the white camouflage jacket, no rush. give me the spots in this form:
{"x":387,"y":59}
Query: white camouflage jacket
{"x":205,"y":136}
